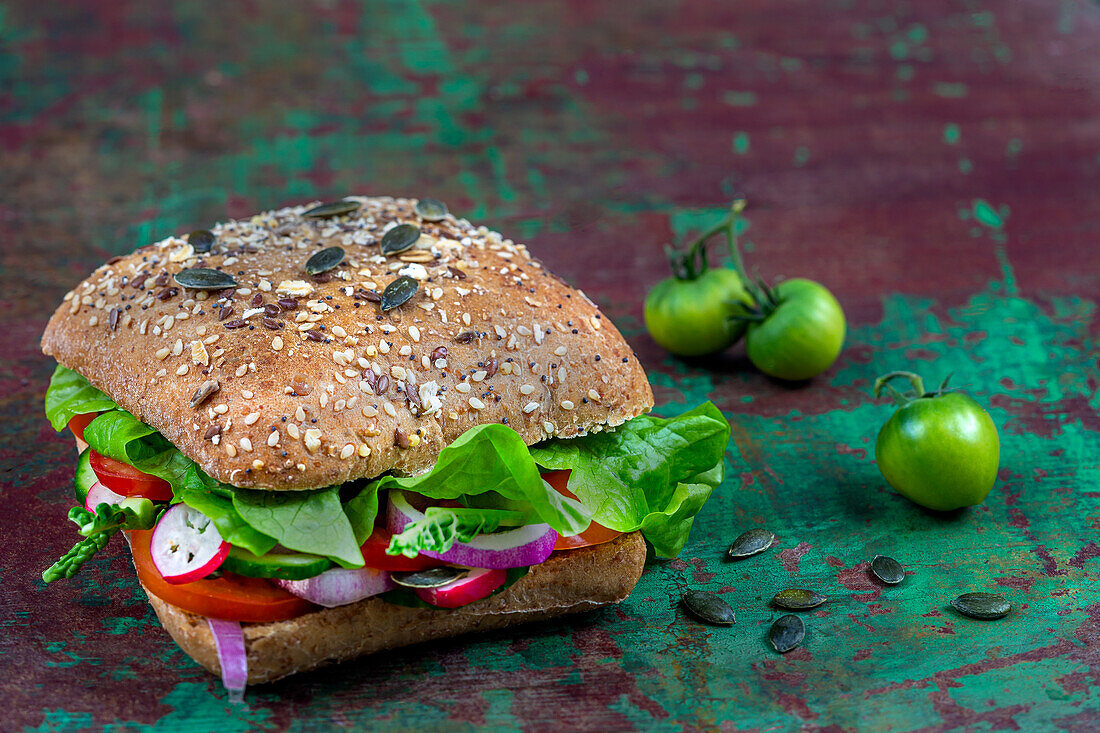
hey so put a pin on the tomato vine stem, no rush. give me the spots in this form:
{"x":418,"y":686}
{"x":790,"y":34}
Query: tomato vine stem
{"x":901,"y":399}
{"x":690,"y":263}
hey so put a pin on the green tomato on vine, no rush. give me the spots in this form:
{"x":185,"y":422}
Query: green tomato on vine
{"x":795,"y":330}
{"x":693,"y":313}
{"x":939,"y":449}
{"x":792,"y":331}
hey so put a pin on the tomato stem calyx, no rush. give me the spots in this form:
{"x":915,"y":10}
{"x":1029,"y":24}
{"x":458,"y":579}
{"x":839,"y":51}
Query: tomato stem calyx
{"x":765,"y":300}
{"x":690,"y":263}
{"x":901,"y":399}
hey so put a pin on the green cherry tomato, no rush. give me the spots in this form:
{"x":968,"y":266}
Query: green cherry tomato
{"x":801,"y":333}
{"x":939,"y":450}
{"x":694,"y":317}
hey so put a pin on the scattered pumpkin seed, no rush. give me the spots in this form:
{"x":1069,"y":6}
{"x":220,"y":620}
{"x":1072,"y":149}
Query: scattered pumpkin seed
{"x":399,"y":239}
{"x":203,"y":278}
{"x":887,"y":569}
{"x":201,"y":240}
{"x":335,"y":208}
{"x":751,"y":542}
{"x":430,"y":578}
{"x":708,"y":607}
{"x":982,"y":605}
{"x":431,"y":209}
{"x":786,"y":633}
{"x":798,"y":599}
{"x":398,"y":292}
{"x":325,"y":260}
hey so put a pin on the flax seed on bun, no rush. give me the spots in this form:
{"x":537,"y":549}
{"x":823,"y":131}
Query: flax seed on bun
{"x":295,"y":381}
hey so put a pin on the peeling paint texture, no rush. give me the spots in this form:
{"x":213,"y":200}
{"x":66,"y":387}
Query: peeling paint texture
{"x":936,"y":164}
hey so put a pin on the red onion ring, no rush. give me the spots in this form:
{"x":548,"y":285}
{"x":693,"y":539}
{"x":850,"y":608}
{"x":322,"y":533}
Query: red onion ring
{"x":229,"y":643}
{"x":515,"y":548}
{"x":340,"y":586}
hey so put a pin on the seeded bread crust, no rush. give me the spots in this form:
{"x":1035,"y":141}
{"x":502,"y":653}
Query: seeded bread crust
{"x":326,"y":387}
{"x":568,"y":582}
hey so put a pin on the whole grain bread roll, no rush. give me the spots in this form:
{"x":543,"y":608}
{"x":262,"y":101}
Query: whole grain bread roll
{"x":292,"y":380}
{"x":568,"y":582}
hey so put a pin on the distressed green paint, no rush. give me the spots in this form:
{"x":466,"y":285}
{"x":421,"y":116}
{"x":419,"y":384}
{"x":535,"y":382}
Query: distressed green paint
{"x":985,"y":214}
{"x":950,"y":90}
{"x":739,"y":99}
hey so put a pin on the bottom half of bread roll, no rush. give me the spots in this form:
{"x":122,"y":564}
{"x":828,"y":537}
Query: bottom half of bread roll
{"x":568,"y":582}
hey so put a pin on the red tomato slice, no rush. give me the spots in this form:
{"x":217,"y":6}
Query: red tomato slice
{"x":124,"y":479}
{"x":374,"y":555}
{"x":596,"y":534}
{"x":79,"y":422}
{"x":233,"y":597}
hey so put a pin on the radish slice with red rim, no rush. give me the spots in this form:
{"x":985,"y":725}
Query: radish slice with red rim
{"x":232,"y":658}
{"x":100,"y":494}
{"x":340,"y":586}
{"x":530,"y":544}
{"x":186,"y":546}
{"x":473,"y":587}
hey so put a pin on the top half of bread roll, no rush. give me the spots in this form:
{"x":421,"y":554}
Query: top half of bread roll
{"x":289,"y":380}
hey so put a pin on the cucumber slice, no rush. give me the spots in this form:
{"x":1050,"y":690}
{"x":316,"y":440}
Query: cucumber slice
{"x":84,"y":479}
{"x":288,"y":566}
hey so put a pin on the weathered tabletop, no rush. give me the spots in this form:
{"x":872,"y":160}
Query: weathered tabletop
{"x":935,"y":163}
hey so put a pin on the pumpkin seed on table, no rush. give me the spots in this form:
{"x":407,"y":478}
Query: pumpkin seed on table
{"x":798,"y":599}
{"x":398,"y":292}
{"x":431,"y":209}
{"x":430,"y":578}
{"x":203,"y":278}
{"x":202,"y":240}
{"x":334,"y":208}
{"x":325,"y":260}
{"x":399,"y":239}
{"x":708,"y":607}
{"x":751,"y":542}
{"x":786,"y":633}
{"x":987,"y":606}
{"x":887,"y":569}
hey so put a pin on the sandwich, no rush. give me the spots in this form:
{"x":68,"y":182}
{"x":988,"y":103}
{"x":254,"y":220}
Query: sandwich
{"x":335,"y":429}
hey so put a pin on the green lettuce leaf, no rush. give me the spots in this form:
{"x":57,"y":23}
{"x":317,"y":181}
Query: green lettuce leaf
{"x":209,"y":496}
{"x":491,"y":466}
{"x":307,"y":521}
{"x":649,"y":473}
{"x":667,"y":528}
{"x":97,"y":529}
{"x":442,"y":527}
{"x":361,"y":510}
{"x":119,"y":435}
{"x":69,"y":395}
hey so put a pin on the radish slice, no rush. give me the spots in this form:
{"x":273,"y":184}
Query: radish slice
{"x":100,"y":494}
{"x":515,"y":548}
{"x":229,"y":643}
{"x":340,"y":586}
{"x":473,"y":587}
{"x":186,"y":545}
